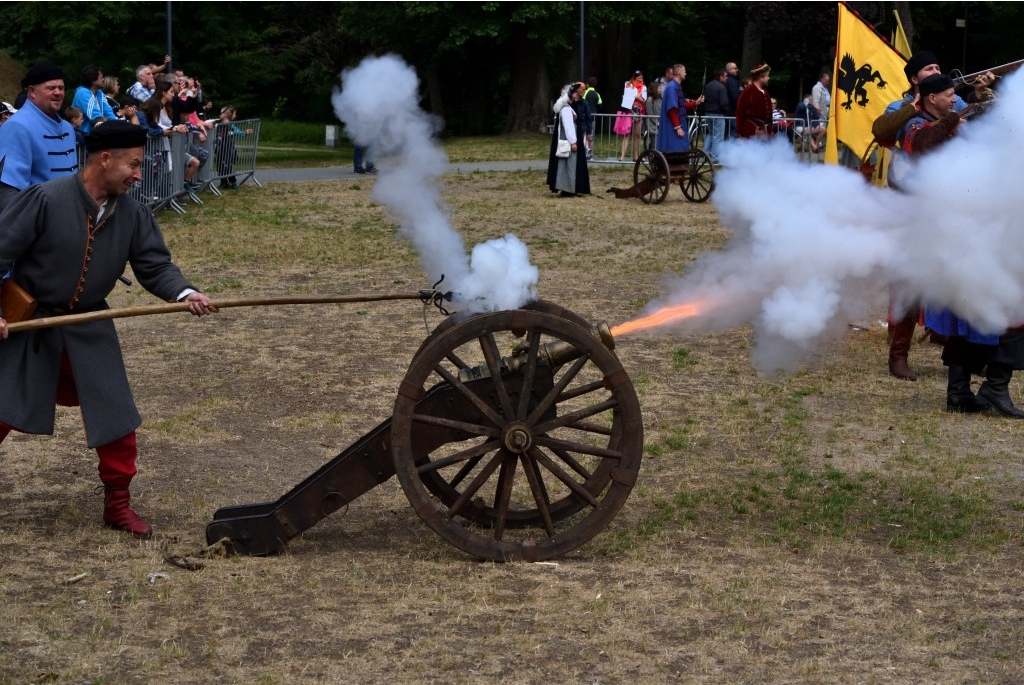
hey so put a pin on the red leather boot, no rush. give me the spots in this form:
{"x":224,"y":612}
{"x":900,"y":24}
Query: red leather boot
{"x":117,"y":468}
{"x":119,"y":515}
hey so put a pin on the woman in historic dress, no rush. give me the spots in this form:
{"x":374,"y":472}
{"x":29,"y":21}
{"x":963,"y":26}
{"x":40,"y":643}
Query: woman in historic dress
{"x":568,"y":175}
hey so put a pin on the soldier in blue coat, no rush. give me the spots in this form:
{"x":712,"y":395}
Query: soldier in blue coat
{"x":672,"y":128}
{"x":36,"y":144}
{"x":66,"y":242}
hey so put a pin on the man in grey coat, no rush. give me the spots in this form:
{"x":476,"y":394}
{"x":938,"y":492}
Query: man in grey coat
{"x":66,"y":242}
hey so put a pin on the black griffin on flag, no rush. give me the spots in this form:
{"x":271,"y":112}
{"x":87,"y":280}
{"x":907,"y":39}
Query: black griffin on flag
{"x":852,"y":80}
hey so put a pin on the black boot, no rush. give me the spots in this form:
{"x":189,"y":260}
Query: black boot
{"x":899,"y":347}
{"x":959,"y":397}
{"x":995,"y":390}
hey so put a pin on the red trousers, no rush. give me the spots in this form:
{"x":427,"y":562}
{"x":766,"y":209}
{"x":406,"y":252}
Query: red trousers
{"x":117,"y":458}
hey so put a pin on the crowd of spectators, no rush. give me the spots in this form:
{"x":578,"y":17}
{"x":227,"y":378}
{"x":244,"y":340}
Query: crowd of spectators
{"x":166,"y":102}
{"x":636,"y":118}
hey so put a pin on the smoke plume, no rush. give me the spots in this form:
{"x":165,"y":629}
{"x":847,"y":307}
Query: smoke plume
{"x":815,"y":247}
{"x":377,"y":102}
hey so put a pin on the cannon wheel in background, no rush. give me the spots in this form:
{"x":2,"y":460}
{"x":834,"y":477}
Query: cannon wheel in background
{"x":699,"y":180}
{"x":651,"y":176}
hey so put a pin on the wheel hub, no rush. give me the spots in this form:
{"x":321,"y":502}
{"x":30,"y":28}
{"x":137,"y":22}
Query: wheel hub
{"x":517,"y":438}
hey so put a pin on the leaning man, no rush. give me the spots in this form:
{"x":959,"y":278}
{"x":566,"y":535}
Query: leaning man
{"x":66,"y":242}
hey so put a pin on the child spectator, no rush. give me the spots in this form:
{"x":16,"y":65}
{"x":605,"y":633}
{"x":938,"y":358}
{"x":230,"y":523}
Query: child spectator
{"x":76,"y":118}
{"x":227,"y":155}
{"x":6,"y":110}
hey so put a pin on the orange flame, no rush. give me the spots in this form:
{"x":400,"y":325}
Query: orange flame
{"x":662,"y":316}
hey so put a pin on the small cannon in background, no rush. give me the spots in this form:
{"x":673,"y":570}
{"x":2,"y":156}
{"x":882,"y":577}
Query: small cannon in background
{"x":516,"y":435}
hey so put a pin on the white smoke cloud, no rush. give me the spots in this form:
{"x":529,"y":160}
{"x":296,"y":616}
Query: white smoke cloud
{"x":815,"y":247}
{"x":378,"y":103}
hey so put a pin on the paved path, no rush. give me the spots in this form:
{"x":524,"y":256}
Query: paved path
{"x":337,"y":172}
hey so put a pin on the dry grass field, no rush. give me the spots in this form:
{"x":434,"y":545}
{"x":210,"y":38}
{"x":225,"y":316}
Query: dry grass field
{"x":830,"y":526}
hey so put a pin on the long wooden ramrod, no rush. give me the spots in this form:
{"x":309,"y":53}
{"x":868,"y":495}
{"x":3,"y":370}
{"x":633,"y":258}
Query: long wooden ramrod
{"x":168,"y":307}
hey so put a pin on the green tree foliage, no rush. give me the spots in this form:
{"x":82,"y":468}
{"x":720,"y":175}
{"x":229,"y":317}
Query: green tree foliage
{"x":485,"y":67}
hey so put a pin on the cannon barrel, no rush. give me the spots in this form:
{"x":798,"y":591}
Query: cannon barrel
{"x":553,"y":354}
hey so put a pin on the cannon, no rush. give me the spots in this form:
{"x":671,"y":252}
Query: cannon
{"x":515,"y":435}
{"x":655,"y":171}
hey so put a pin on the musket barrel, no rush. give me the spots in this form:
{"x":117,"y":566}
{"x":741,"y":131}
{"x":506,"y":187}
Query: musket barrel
{"x":1001,"y":70}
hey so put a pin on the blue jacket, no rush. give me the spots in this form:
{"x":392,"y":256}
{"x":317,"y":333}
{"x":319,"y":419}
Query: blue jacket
{"x":668,"y":140}
{"x":36,"y":148}
{"x":92,"y":106}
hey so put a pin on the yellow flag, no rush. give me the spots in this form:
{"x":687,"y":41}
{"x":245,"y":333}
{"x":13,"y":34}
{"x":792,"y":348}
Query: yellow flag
{"x":868,"y":76}
{"x":899,"y":37}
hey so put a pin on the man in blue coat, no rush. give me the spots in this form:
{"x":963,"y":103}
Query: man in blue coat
{"x":672,"y":127}
{"x":36,"y":144}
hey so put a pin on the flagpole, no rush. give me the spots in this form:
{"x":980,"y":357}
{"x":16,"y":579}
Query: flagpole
{"x":831,"y":138}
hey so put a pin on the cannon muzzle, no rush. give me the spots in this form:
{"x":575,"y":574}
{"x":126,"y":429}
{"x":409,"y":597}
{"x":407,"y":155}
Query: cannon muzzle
{"x":553,"y":354}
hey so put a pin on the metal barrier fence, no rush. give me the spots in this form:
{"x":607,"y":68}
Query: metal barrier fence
{"x":163,"y":174}
{"x":227,"y":160}
{"x":611,"y":148}
{"x":232,"y":156}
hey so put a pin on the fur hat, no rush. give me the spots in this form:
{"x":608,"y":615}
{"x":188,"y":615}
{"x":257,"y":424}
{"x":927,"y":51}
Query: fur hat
{"x":918,"y":62}
{"x":760,"y":70}
{"x":115,"y":134}
{"x":41,"y":73}
{"x":936,"y":83}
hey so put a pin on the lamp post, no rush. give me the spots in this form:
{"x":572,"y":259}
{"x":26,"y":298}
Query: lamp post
{"x":962,"y":24}
{"x":170,"y":69}
{"x":583,"y":74}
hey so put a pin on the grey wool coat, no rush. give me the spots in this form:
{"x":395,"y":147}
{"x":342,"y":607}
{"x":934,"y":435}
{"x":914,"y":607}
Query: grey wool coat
{"x":70,"y":263}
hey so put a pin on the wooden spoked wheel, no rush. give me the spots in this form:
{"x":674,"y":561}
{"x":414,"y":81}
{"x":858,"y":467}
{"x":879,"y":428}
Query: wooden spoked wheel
{"x":526,"y":456}
{"x":699,"y":180}
{"x":441,"y":489}
{"x":651,"y":176}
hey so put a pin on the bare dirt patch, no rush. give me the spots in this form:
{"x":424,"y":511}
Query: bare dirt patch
{"x":834,"y":525}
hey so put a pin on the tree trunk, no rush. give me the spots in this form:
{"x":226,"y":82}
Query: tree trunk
{"x":433,"y":84}
{"x":903,"y":9}
{"x":529,"y":107}
{"x":621,"y":63}
{"x":753,"y":38}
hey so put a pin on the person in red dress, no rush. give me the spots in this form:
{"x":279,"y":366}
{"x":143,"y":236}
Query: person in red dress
{"x":754,"y":108}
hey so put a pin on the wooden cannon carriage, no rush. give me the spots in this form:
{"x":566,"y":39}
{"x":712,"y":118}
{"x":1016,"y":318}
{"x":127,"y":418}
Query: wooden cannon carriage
{"x":516,"y":435}
{"x":655,"y":171}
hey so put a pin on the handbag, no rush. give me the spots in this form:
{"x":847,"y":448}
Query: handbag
{"x":564,"y":147}
{"x":15,"y":302}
